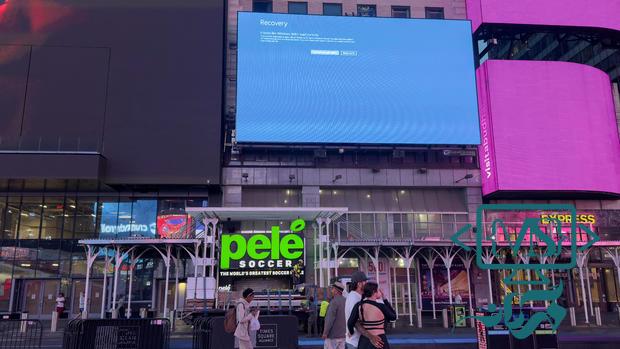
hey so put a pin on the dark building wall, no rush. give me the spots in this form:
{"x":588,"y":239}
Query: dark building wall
{"x":138,"y":80}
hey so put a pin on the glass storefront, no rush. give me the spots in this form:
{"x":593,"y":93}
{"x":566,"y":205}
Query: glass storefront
{"x":39,"y":250}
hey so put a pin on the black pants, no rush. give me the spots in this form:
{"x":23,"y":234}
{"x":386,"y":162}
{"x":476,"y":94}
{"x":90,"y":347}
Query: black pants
{"x":321,"y":324}
{"x":366,"y":344}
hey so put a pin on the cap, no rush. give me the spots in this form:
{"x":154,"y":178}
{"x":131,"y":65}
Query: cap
{"x":338,"y":285}
{"x":358,"y":276}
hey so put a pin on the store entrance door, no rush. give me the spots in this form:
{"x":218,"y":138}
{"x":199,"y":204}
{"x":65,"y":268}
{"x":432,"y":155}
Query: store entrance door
{"x":160,"y":295}
{"x":94,"y":299}
{"x":39,"y":297}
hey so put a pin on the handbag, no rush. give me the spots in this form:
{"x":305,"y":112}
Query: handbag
{"x":254,"y":324}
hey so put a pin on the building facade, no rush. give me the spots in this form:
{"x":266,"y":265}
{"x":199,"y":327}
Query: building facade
{"x":165,"y":162}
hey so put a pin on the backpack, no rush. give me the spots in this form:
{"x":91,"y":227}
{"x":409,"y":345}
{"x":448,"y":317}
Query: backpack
{"x":230,"y":320}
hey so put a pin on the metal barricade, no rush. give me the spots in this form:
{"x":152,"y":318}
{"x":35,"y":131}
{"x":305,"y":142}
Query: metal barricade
{"x":20,"y":334}
{"x":117,"y":333}
{"x":276,"y":331}
{"x":202,"y":333}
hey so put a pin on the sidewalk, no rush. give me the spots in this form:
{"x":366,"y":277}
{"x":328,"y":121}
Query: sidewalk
{"x":404,"y":337}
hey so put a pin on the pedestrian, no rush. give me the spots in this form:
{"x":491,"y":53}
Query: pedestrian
{"x":312,"y":317}
{"x":60,"y":304}
{"x":458,"y":299}
{"x":373,"y":313}
{"x":82,"y":302}
{"x":356,"y":289}
{"x":335,"y":330}
{"x":245,"y":314}
{"x":322,"y":313}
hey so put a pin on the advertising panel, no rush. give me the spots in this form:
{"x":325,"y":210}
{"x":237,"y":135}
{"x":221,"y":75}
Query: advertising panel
{"x":324,"y":79}
{"x":458,"y":276}
{"x":577,"y":13}
{"x":384,"y":275}
{"x":274,"y":254}
{"x":547,"y":126}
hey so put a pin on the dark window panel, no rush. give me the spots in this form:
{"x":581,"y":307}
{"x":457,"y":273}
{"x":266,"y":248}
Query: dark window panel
{"x":262,"y":6}
{"x":367,"y":10}
{"x":298,"y":7}
{"x":434,"y":12}
{"x":401,"y":11}
{"x":332,"y":9}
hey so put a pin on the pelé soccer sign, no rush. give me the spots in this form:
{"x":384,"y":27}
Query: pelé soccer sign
{"x":263,"y":251}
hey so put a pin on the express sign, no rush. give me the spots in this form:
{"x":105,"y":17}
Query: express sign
{"x":258,"y":251}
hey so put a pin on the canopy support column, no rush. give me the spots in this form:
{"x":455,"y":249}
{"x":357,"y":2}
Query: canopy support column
{"x":430,"y":261}
{"x":91,"y":255}
{"x":487,"y":257}
{"x":582,"y":258}
{"x":106,"y":266}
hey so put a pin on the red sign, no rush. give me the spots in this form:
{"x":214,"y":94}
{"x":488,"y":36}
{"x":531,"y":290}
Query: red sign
{"x":174,"y":225}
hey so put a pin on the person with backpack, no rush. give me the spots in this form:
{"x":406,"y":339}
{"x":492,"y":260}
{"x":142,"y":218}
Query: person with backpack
{"x":243,"y":317}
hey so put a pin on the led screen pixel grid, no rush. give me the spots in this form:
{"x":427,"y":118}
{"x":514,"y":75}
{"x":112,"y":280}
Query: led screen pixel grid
{"x":323,"y":79}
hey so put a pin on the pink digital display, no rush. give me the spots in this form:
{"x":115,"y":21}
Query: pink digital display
{"x":547,"y":126}
{"x":577,"y":13}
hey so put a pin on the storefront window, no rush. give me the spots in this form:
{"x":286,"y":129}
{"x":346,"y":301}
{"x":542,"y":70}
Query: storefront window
{"x":128,"y":217}
{"x":30,"y":217}
{"x":48,"y":269}
{"x":11,"y":218}
{"x":2,"y":212}
{"x":52,"y":222}
{"x":6,"y":269}
{"x":611,"y":284}
{"x":78,"y":265}
{"x":85,"y":218}
{"x":24,"y":269}
{"x":69,"y":217}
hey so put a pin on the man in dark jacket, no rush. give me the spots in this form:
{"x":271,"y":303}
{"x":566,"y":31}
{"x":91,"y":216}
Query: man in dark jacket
{"x":334,"y":331}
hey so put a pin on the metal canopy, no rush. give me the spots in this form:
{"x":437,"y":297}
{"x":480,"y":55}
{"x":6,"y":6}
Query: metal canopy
{"x":266,"y":213}
{"x":138,"y":242}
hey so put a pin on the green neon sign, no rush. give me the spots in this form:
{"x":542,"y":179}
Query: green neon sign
{"x":260,"y":247}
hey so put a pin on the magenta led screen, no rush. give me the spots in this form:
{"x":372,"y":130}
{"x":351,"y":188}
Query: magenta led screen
{"x":547,"y":126}
{"x":573,"y":13}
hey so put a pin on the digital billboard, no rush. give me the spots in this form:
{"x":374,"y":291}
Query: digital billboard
{"x":323,"y":79}
{"x":547,"y":126}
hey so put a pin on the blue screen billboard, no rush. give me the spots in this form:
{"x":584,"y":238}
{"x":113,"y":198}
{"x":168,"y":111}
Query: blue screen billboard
{"x":323,"y":79}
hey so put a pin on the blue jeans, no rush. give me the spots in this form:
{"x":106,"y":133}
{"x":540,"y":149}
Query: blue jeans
{"x":350,"y":346}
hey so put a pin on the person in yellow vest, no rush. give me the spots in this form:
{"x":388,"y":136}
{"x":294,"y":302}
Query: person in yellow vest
{"x":322,"y":313}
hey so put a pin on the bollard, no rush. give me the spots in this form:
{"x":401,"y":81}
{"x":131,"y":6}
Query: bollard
{"x":597,"y":312}
{"x":143,"y":313}
{"x":54,"y":321}
{"x":114,"y":313}
{"x":22,"y":328}
{"x":444,"y":315}
{"x":573,"y":319}
{"x":419,"y":317}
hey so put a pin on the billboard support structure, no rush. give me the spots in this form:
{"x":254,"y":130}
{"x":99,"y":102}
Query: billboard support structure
{"x":430,"y":261}
{"x":487,"y":257}
{"x":467,"y":258}
{"x":582,"y":261}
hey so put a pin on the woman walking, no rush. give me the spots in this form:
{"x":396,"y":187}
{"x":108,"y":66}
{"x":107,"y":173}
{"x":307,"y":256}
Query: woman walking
{"x":245,"y":314}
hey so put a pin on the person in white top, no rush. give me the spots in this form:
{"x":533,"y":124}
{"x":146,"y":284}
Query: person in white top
{"x":60,"y":304}
{"x":358,"y":280}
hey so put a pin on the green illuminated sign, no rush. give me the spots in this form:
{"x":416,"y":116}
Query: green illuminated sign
{"x":262,"y":250}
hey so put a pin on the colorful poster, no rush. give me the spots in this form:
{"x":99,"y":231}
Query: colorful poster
{"x":384,"y":275}
{"x":458,"y":276}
